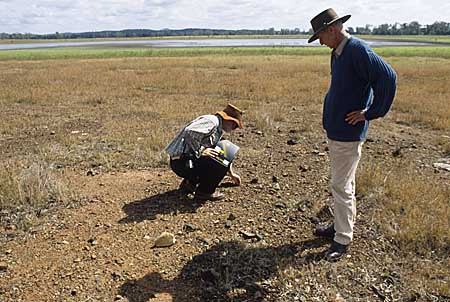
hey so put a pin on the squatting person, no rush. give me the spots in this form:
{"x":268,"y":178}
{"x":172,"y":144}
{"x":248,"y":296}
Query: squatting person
{"x":192,"y":150}
{"x":362,"y":88}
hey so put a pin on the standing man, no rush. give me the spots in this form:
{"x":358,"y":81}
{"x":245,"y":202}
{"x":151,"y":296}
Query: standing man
{"x":362,"y":88}
{"x":192,"y":151}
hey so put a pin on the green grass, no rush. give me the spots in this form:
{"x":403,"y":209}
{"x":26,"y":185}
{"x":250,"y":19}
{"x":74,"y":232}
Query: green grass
{"x":408,"y":38}
{"x":108,"y":52}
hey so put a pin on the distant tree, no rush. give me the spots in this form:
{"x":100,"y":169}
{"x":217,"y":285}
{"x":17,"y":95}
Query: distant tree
{"x":438,"y":28}
{"x":414,"y":28}
{"x":364,"y":30}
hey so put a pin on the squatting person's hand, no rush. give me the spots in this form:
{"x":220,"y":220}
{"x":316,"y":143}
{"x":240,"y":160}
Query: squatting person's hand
{"x":236,"y":179}
{"x":210,"y":152}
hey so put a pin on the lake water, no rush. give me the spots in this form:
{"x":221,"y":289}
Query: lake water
{"x":194,"y":43}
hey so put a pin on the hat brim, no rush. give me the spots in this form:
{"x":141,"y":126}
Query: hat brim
{"x":315,"y":36}
{"x":225,"y":116}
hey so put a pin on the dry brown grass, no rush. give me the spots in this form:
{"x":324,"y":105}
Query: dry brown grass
{"x":112,"y":112}
{"x":423,"y":94}
{"x":415,"y":211}
{"x":120,"y":113}
{"x":26,"y":188}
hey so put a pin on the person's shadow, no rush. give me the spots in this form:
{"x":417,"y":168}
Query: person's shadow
{"x":229,"y":271}
{"x":169,"y":202}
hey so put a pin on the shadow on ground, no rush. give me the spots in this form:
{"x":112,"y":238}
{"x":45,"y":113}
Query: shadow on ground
{"x":170,"y":202}
{"x":230,"y":271}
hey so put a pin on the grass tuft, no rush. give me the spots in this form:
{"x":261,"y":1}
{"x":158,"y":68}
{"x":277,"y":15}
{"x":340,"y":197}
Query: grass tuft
{"x":415,"y":212}
{"x":27,"y":189}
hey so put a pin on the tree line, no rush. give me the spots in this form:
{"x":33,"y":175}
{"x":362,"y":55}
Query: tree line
{"x":412,"y":28}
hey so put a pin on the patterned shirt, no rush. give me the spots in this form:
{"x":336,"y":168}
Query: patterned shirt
{"x":203,"y":132}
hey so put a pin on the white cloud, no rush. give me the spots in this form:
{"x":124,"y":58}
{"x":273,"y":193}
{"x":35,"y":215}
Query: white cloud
{"x":46,"y":16}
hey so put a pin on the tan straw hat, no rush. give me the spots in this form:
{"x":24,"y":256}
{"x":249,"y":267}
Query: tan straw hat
{"x":232,"y":113}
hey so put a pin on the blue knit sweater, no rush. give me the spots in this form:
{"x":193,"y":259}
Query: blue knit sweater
{"x":360,"y":80}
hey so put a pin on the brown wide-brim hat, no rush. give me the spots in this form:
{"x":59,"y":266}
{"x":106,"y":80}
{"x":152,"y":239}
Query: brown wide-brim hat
{"x":232,"y":113}
{"x":323,"y":20}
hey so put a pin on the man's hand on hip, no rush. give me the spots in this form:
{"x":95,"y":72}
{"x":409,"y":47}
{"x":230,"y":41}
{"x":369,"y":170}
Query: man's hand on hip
{"x":355,"y":117}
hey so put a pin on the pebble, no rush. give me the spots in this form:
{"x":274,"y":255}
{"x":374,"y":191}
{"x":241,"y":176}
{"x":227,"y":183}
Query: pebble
{"x":166,"y":239}
{"x":3,"y":266}
{"x":231,"y":217}
{"x":189,"y":227}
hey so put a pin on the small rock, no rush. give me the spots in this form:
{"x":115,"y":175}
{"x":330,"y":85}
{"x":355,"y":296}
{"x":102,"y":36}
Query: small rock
{"x":259,"y":237}
{"x":397,"y":152}
{"x":293,"y":142}
{"x":3,"y":266}
{"x":280,"y":205}
{"x":116,"y":276}
{"x":274,"y":179}
{"x":247,"y":235}
{"x":276,"y":186}
{"x":442,"y":166}
{"x":228,"y":224}
{"x":231,"y":217}
{"x":189,"y":227}
{"x":91,"y":173}
{"x":339,"y":298}
{"x":166,"y":239}
{"x":303,"y":168}
{"x":254,"y":181}
{"x":203,"y":240}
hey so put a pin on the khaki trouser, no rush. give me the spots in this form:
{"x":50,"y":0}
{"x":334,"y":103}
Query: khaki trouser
{"x":344,"y":158}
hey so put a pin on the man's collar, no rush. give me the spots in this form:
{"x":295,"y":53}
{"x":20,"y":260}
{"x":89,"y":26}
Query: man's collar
{"x":338,"y":51}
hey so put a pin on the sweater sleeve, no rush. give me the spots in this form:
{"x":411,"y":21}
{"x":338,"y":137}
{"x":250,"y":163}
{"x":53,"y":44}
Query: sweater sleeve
{"x":381,"y":78}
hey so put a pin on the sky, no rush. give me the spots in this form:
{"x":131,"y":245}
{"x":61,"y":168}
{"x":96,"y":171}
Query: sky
{"x":49,"y":16}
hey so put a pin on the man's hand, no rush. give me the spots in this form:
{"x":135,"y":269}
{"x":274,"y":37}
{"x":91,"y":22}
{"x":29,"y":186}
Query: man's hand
{"x":355,"y":117}
{"x":210,"y":152}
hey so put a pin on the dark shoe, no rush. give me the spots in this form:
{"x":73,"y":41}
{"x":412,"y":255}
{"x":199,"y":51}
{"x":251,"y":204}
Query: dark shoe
{"x":200,"y":196}
{"x":336,"y":251}
{"x":186,"y":187}
{"x":325,"y":231}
